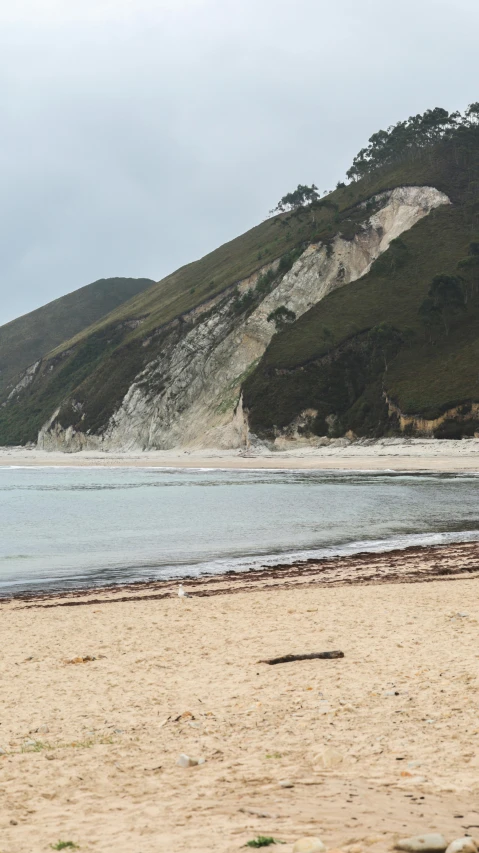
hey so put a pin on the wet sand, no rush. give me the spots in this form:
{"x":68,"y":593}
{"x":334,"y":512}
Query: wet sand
{"x":376,"y":745}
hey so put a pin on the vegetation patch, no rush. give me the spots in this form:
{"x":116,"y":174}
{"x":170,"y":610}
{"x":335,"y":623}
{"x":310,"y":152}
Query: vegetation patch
{"x":27,"y":339}
{"x":424,"y":287}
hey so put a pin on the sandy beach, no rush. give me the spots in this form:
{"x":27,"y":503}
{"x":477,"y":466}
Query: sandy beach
{"x":102,"y":691}
{"x":412,"y":454}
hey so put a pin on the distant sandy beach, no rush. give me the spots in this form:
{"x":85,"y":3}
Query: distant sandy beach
{"x":385,"y":454}
{"x":103,"y":690}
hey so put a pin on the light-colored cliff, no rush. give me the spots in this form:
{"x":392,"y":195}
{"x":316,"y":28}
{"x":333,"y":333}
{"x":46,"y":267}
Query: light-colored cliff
{"x":189,"y":396}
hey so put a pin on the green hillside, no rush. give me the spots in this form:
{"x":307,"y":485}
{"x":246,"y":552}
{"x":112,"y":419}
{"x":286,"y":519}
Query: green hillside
{"x":386,"y":334}
{"x":333,"y":359}
{"x":25,"y":340}
{"x":100,"y":361}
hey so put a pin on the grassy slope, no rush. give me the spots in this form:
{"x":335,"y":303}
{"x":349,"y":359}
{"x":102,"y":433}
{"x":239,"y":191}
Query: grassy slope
{"x":99,"y":363}
{"x":26,"y":339}
{"x":303,"y":367}
{"x":196,"y":282}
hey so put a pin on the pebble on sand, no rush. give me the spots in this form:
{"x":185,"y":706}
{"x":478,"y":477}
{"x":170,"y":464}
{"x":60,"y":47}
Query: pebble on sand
{"x":462,"y":845}
{"x":186,"y":761}
{"x":309,"y":845}
{"x":430,"y":842}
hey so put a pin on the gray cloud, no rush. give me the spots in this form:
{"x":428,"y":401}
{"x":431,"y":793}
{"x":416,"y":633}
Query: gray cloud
{"x":139,"y":134}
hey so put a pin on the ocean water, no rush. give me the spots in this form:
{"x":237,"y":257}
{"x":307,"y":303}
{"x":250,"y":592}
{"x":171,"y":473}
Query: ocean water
{"x":64,"y":528}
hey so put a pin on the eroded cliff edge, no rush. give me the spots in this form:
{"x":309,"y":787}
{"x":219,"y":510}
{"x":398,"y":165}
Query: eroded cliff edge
{"x":189,"y":393}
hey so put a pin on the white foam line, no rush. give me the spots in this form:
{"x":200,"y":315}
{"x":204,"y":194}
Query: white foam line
{"x":132,"y":574}
{"x":403,"y":472}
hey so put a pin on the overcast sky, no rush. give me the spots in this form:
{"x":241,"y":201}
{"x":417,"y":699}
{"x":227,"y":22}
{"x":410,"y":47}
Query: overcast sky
{"x":137,"y":135}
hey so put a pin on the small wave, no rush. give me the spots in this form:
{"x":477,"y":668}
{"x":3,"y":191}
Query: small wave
{"x":345,"y":550}
{"x":127,"y":573}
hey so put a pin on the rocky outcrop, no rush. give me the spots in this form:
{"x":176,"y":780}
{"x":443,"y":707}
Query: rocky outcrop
{"x":26,"y":379}
{"x":428,"y":427}
{"x":190,"y":395}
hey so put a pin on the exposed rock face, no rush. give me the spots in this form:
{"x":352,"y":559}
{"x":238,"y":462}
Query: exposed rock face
{"x":27,"y":378}
{"x":427,"y":427}
{"x":189,"y":396}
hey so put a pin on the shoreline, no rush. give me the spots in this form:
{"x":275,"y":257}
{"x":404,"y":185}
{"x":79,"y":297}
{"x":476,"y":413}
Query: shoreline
{"x":412,"y":564}
{"x":395,"y":455}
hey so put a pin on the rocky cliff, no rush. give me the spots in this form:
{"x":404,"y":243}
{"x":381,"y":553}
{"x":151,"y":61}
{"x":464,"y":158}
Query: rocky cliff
{"x":189,"y":395}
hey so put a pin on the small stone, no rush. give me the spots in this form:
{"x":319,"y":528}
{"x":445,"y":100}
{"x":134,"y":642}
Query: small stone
{"x":285,"y":783}
{"x":309,"y":845}
{"x":430,"y":842}
{"x":462,"y":845}
{"x":186,"y":761}
{"x":43,"y":730}
{"x":3,"y":751}
{"x":30,"y":743}
{"x":50,"y":757}
{"x":328,"y":758}
{"x":14,"y":822}
{"x":80,"y":659}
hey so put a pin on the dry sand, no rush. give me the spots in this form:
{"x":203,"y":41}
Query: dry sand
{"x":397,"y":454}
{"x":379,"y":744}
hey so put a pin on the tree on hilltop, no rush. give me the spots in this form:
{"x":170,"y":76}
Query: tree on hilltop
{"x":415,"y":133}
{"x":300,"y":197}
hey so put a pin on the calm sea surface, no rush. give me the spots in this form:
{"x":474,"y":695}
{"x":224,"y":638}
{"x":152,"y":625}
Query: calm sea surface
{"x":62,"y":528}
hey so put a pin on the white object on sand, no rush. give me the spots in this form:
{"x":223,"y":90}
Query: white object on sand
{"x":430,"y":842}
{"x":463,"y":845}
{"x":186,"y":761}
{"x":182,"y":593}
{"x":309,"y":845}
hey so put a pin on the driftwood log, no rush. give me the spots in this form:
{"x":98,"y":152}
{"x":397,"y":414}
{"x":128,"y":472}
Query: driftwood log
{"x":314,"y":656}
